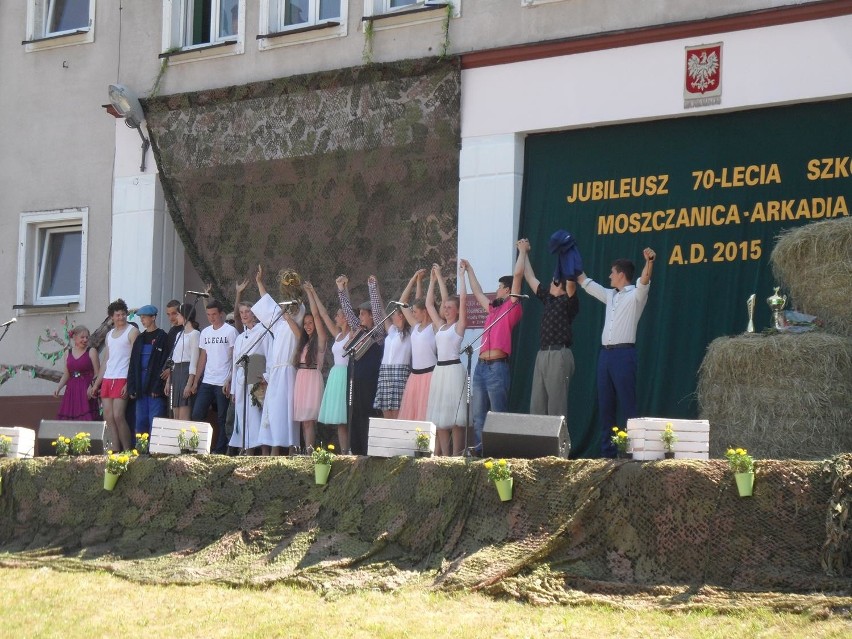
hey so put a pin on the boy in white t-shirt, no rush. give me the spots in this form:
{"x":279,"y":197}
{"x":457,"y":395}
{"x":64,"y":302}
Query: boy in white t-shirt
{"x":214,"y":370}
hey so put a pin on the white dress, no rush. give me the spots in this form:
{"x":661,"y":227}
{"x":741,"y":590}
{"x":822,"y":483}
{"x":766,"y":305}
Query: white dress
{"x":277,"y":426}
{"x":251,"y":341}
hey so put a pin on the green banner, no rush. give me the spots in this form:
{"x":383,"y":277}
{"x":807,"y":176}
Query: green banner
{"x":710,"y":194}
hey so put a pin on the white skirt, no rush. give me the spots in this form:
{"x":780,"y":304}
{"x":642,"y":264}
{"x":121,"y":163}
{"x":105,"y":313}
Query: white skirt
{"x":447,"y":402}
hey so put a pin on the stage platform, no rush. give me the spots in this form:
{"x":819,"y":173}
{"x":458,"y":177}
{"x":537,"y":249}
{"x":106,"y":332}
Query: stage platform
{"x":589,"y":525}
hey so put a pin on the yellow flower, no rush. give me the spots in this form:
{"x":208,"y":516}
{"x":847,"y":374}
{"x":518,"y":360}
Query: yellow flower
{"x":144,"y":435}
{"x":331,"y":446}
{"x":502,"y":462}
{"x":109,"y":452}
{"x":489,"y":465}
{"x":183,"y":430}
{"x":194,"y":429}
{"x":615,"y":429}
{"x":53,"y":443}
{"x":67,"y":441}
{"x":123,"y":459}
{"x":741,"y":451}
{"x":730,"y":451}
{"x":135,"y":452}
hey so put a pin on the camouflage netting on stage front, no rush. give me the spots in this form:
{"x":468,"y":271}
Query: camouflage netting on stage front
{"x":351,"y":171}
{"x":572,"y":526}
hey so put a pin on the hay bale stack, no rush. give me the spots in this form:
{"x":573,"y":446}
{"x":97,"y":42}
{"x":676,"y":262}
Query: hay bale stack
{"x":814,"y":262}
{"x":780,"y":396}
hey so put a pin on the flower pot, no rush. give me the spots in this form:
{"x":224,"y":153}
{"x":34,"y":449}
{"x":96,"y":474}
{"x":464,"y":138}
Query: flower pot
{"x":186,"y":451}
{"x":669,"y":454}
{"x":321,"y":472}
{"x":625,"y":455}
{"x":745,"y":483}
{"x":504,"y":488}
{"x":110,"y":480}
{"x":422,"y":453}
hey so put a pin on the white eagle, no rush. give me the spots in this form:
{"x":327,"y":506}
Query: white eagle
{"x":702,"y":69}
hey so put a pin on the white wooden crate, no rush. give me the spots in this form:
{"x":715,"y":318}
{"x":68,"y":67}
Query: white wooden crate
{"x":693,"y":437}
{"x":164,"y":435}
{"x":23,"y":441}
{"x":392,"y":437}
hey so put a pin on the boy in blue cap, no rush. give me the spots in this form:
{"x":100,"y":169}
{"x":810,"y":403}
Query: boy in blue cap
{"x":147,"y":360}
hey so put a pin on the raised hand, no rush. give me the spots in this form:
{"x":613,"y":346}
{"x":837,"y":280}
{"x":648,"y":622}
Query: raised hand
{"x":342,"y":281}
{"x":241,"y":286}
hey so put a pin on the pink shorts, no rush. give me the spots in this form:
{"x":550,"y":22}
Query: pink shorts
{"x":111,"y":388}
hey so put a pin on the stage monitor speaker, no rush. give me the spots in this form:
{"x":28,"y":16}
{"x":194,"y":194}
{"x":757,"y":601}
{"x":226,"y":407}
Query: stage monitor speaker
{"x":50,"y":429}
{"x":525,"y":436}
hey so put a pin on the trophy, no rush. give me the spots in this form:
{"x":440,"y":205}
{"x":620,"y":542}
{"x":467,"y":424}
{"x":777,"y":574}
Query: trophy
{"x":776,"y":304}
{"x":750,"y":306}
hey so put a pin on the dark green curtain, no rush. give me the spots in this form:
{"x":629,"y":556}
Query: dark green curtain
{"x":801,"y":154}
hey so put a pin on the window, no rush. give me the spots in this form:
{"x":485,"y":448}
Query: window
{"x":52,"y":257}
{"x":201,"y":23}
{"x":379,"y":8}
{"x":60,"y":22}
{"x":285,"y":14}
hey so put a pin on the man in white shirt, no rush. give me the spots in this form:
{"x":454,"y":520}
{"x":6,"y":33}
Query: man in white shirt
{"x":617,"y":359}
{"x":214,"y":369}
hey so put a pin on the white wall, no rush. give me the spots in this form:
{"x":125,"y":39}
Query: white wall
{"x":501,"y":104}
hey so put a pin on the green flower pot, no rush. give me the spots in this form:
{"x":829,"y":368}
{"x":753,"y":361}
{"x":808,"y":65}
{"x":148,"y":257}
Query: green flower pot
{"x":745,"y":483}
{"x":321,"y":472}
{"x":504,"y":488}
{"x":110,"y":480}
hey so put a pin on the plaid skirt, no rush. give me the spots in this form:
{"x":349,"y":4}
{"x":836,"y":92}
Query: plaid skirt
{"x":391,"y":385}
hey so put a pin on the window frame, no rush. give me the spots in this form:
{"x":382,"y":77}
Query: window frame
{"x":176,"y":32}
{"x":38,"y":18}
{"x":313,"y":30}
{"x":380,"y":13}
{"x":35,"y":230}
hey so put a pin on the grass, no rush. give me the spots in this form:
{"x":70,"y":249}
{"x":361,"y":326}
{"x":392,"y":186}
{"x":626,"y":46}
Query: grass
{"x":47,"y":603}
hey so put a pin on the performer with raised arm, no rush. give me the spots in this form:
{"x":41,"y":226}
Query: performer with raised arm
{"x":310,"y":354}
{"x":447,"y":406}
{"x":333,"y":410}
{"x":366,"y":368}
{"x":554,"y":363}
{"x":424,"y":352}
{"x":278,"y":429}
{"x":617,"y":358}
{"x":490,"y":386}
{"x":396,"y":361}
{"x":253,"y":340}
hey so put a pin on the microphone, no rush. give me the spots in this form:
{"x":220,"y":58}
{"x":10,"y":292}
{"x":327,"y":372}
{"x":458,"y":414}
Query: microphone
{"x":197,"y":294}
{"x":289,"y":303}
{"x":400,"y":304}
{"x":11,"y":321}
{"x":518,"y":296}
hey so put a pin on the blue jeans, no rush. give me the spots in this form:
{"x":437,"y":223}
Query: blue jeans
{"x":616,"y":385}
{"x":489,"y":391}
{"x":207,"y":394}
{"x":147,"y":408}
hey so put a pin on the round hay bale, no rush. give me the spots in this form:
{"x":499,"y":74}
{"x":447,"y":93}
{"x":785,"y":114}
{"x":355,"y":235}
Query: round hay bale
{"x":814,"y":262}
{"x":779,"y":396}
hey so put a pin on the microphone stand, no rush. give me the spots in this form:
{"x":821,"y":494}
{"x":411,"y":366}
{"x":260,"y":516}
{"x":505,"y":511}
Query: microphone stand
{"x":468,"y":350}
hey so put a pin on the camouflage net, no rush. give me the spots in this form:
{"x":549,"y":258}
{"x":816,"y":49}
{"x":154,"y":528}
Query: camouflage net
{"x":351,"y":171}
{"x":574,"y":529}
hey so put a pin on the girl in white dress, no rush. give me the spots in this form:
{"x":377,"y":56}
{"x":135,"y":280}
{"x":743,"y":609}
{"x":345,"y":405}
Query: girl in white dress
{"x":447,"y":404}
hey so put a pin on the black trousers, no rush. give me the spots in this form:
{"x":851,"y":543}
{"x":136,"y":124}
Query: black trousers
{"x":365,"y":378}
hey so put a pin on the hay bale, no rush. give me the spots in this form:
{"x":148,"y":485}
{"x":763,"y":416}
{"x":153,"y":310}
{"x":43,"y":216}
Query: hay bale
{"x":814,"y":262}
{"x":780,"y":396}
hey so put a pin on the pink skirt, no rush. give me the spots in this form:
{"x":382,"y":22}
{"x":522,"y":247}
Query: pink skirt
{"x":415,"y":398}
{"x":307,"y":395}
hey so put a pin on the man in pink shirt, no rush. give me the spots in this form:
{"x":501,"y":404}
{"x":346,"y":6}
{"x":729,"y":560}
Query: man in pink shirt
{"x":490,"y":384}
